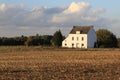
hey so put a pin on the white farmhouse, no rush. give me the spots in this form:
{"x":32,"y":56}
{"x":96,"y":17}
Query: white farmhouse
{"x":81,"y":37}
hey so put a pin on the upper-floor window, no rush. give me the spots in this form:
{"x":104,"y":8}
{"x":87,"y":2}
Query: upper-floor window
{"x":82,"y":38}
{"x":81,"y":31}
{"x":72,"y":38}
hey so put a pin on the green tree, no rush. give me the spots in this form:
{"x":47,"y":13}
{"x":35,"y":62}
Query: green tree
{"x":106,"y":39}
{"x":29,"y":40}
{"x":19,"y":40}
{"x":46,"y":40}
{"x":36,"y":40}
{"x":33,"y":40}
{"x":57,"y":39}
{"x":118,"y":42}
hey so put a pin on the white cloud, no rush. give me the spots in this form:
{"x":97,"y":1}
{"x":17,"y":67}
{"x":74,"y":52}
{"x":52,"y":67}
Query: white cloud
{"x":2,"y":7}
{"x":98,"y":11}
{"x":80,"y":7}
{"x":81,"y":13}
{"x":75,"y":12}
{"x":42,"y":19}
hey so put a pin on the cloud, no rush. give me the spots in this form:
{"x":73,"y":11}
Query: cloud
{"x":74,"y":12}
{"x":2,"y":7}
{"x":8,"y":14}
{"x":47,"y":20}
{"x":98,"y":11}
{"x":24,"y":28}
{"x":81,"y":13}
{"x":79,"y":7}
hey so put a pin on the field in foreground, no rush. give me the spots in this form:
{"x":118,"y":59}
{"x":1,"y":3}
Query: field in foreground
{"x":23,"y":63}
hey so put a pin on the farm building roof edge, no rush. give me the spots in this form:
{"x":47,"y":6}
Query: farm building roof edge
{"x":82,"y":29}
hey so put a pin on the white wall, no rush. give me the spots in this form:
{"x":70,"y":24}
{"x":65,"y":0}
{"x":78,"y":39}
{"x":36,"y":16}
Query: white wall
{"x":89,"y":40}
{"x":77,"y":42}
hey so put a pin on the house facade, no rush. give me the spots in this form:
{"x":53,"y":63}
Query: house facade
{"x":80,"y":37}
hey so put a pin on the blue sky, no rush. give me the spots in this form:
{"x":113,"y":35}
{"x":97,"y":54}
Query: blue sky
{"x":107,"y":10}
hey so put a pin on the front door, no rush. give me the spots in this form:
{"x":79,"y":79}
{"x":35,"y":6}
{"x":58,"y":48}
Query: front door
{"x":77,"y":45}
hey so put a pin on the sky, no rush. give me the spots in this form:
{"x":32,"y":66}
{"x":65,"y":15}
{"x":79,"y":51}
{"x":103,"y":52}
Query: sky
{"x":44,"y":17}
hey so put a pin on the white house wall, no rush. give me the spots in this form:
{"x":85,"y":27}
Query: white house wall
{"x":92,"y":38}
{"x":78,"y":42}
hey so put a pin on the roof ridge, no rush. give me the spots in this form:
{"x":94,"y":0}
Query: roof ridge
{"x":84,"y":29}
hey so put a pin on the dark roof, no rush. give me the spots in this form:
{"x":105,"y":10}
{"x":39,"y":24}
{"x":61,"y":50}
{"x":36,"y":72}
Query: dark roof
{"x":82,"y":29}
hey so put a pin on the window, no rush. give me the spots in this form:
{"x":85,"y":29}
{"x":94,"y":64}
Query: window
{"x":77,"y":45}
{"x":82,"y":44}
{"x":81,"y":31}
{"x":77,"y":38}
{"x":65,"y":44}
{"x":72,"y":38}
{"x":82,"y":38}
{"x":72,"y":45}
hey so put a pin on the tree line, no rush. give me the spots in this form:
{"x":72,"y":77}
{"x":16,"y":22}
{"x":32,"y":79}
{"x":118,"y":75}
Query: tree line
{"x":105,"y":39}
{"x":37,"y":40}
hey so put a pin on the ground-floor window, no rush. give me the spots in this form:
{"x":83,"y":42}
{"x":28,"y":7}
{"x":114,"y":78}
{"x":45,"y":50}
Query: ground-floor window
{"x":65,"y":44}
{"x":82,"y":45}
{"x":72,"y":45}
